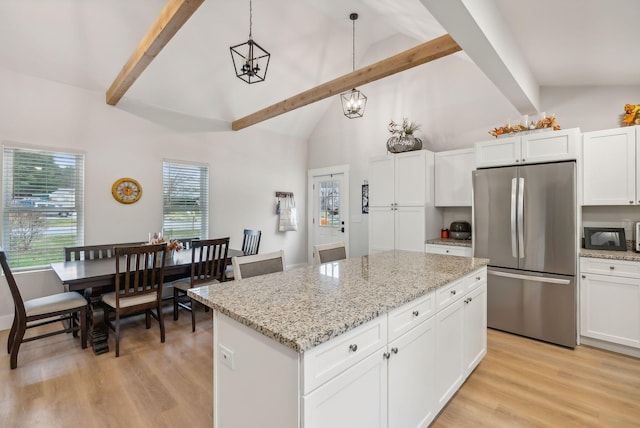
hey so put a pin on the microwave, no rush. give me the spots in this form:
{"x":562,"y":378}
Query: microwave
{"x":605,"y":238}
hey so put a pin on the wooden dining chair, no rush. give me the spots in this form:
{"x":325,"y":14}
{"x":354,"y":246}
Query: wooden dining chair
{"x":324,"y":253}
{"x":92,"y":252}
{"x":258,"y":264}
{"x":71,"y":307}
{"x":250,"y":246}
{"x":138,"y":286}
{"x":208,"y":264}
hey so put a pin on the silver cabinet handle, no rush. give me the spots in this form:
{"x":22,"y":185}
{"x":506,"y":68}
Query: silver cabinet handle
{"x":584,"y":276}
{"x":416,"y":313}
{"x":394,"y":350}
{"x":630,"y":202}
{"x":478,"y":278}
{"x":453,"y":292}
{"x":523,"y":160}
{"x":612,"y":267}
{"x":386,"y":355}
{"x":353,"y":347}
{"x":466,"y":300}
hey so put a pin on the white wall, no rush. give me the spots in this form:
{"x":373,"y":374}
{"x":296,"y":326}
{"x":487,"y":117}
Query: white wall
{"x":246,"y":167}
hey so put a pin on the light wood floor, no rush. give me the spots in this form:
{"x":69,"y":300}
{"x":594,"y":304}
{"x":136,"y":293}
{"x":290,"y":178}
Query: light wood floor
{"x":520,"y":383}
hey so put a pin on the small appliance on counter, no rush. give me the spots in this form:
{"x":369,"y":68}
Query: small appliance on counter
{"x":460,"y":230}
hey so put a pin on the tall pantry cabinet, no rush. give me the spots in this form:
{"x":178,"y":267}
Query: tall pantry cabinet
{"x":402,"y":213}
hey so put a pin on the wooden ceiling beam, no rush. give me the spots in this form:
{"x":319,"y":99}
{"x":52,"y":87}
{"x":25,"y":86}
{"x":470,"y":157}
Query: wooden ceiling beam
{"x":170,"y":20}
{"x":421,"y":54}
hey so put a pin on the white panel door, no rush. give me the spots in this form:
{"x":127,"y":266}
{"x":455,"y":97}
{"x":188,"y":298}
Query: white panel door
{"x":381,"y":182}
{"x":355,"y":399}
{"x":381,"y":229}
{"x":449,"y":352}
{"x":453,"y":177}
{"x":475,"y":327}
{"x":411,"y":377}
{"x":409,"y":228}
{"x":609,"y":167}
{"x":410,"y":178}
{"x":498,"y":152}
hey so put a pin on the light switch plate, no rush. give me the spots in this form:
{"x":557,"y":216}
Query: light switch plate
{"x":226,"y":356}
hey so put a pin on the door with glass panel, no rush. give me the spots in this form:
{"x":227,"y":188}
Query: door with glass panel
{"x":328,"y":211}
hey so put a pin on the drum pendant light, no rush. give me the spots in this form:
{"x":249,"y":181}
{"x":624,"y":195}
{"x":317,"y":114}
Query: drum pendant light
{"x":353,"y":101}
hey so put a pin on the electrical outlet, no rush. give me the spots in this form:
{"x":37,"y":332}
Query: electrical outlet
{"x":226,"y":356}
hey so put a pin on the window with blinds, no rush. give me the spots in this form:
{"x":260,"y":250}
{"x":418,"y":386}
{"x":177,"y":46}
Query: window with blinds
{"x":185,"y":212}
{"x":42,"y":204}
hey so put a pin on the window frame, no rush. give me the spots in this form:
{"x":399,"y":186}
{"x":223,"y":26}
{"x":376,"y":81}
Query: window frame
{"x":40,"y":202}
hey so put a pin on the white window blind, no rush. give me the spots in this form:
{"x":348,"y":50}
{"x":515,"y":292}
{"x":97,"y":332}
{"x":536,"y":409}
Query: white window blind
{"x":42,"y":203}
{"x":185,"y":212}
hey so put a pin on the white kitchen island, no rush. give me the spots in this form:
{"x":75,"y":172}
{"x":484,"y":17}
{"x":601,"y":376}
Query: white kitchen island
{"x":373,"y":341}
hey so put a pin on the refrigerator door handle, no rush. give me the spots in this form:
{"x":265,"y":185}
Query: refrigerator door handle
{"x":520,"y":220}
{"x":529,"y":277}
{"x":514,"y":194}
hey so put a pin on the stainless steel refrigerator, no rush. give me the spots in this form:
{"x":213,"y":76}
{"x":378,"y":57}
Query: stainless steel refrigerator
{"x":525,"y":223}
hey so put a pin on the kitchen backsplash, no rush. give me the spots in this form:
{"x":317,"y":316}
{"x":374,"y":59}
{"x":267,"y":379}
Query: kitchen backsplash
{"x":611,"y":216}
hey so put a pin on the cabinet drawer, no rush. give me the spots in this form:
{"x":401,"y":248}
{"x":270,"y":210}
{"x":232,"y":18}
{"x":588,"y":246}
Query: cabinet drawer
{"x":450,"y":250}
{"x":475,"y":280}
{"x":333,"y":357}
{"x":410,"y":315}
{"x":610,"y":267}
{"x":450,"y":293}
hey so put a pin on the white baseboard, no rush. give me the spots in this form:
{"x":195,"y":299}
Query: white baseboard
{"x":613,"y":347}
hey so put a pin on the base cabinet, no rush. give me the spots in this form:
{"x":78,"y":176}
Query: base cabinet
{"x":397,"y":370}
{"x":610,"y":304}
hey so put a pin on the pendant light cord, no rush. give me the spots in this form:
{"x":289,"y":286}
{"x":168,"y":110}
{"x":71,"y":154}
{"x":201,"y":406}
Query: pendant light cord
{"x":354,"y":45}
{"x":250,"y":18}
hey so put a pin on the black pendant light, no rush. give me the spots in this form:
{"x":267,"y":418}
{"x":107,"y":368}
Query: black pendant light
{"x":353,"y":101}
{"x":250,"y":60}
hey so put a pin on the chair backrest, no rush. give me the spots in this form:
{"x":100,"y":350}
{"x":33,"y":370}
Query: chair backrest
{"x":91,"y":252}
{"x":251,"y":242}
{"x":257,"y":264}
{"x":186,"y":242}
{"x":324,"y":253}
{"x":209,"y":260}
{"x":139,"y":270}
{"x":13,"y":287}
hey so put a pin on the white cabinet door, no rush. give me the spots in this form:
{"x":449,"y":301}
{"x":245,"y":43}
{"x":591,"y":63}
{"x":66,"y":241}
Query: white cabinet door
{"x":610,"y":308}
{"x":409,"y":228}
{"x":449,"y":352}
{"x":453,"y":177}
{"x":609,"y":167}
{"x":549,"y":146}
{"x":381,"y":181}
{"x":410,"y":178}
{"x":381,"y":229}
{"x":355,"y":399}
{"x":501,"y":151}
{"x":475,"y":327}
{"x":411,"y":377}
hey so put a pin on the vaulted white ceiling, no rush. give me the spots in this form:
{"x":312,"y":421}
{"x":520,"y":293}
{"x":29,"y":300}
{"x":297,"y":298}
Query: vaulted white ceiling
{"x":86,"y":42}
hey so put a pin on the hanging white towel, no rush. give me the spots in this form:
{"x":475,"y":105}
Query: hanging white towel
{"x":288,"y":215}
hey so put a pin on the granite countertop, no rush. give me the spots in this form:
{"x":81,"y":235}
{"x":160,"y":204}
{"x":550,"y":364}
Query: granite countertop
{"x":628,"y":255}
{"x":305,"y":307}
{"x":450,"y":241}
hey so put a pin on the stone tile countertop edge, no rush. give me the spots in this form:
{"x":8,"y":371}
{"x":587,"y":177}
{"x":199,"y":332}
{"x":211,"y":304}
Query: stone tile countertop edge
{"x":304,"y":307}
{"x":628,"y":255}
{"x":450,"y":241}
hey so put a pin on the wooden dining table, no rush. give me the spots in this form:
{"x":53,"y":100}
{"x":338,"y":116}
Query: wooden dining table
{"x":98,"y":276}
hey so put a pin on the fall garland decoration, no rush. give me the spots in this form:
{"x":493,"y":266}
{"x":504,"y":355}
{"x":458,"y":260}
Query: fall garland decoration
{"x":546,"y":122}
{"x":632,"y":114}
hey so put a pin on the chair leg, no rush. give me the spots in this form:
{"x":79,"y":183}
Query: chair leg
{"x":147,"y":318}
{"x":193,"y":317}
{"x":73,"y":322}
{"x":15,"y":347}
{"x":83,"y":327}
{"x":12,"y":333}
{"x":117,"y":334}
{"x":175,"y":304}
{"x":161,"y":321}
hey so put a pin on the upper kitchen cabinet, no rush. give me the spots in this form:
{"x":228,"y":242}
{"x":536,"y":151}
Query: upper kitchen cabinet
{"x":537,"y":147}
{"x":609,"y":164}
{"x":453,"y":177}
{"x":398,"y":180}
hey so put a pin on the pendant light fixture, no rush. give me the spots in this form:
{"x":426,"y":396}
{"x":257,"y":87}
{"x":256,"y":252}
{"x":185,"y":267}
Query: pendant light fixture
{"x":353,"y":101}
{"x":250,"y":60}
